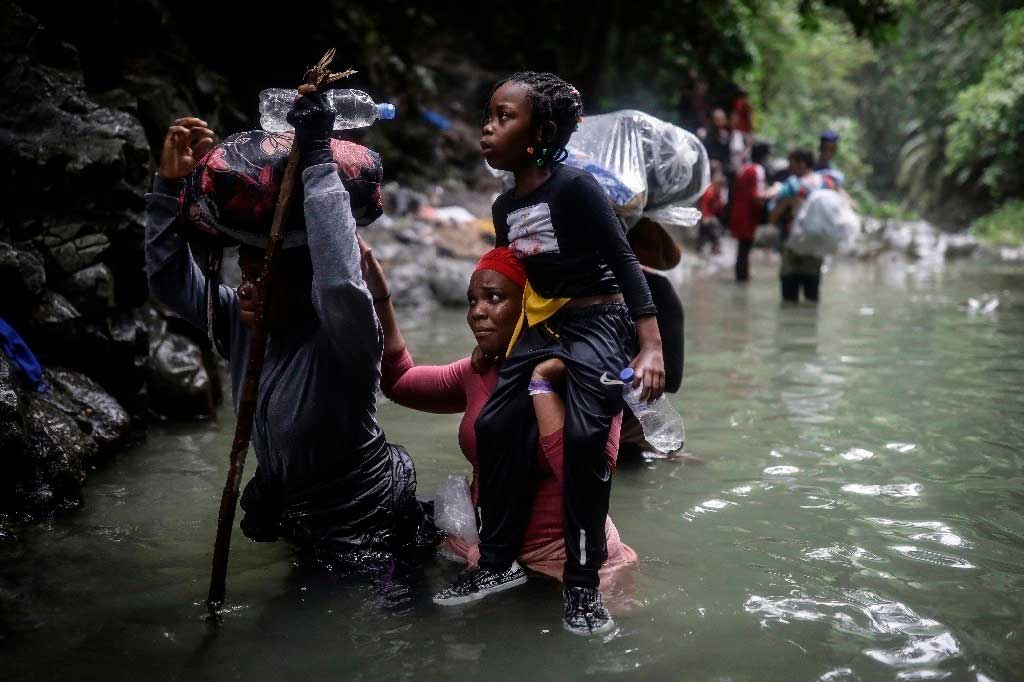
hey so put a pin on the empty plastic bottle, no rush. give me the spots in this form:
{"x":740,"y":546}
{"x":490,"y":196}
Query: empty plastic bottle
{"x":355,"y":109}
{"x":662,"y":425}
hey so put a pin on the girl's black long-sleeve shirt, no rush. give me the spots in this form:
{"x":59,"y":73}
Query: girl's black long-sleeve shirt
{"x":571,"y":241}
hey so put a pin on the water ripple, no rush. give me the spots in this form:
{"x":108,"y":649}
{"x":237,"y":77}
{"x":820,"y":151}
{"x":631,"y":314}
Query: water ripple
{"x":930,"y":557}
{"x":845,"y":555}
{"x":889,"y":490}
{"x":918,"y":640}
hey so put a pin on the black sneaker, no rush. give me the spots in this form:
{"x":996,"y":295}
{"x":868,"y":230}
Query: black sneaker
{"x":585,"y":613}
{"x":470,"y":586}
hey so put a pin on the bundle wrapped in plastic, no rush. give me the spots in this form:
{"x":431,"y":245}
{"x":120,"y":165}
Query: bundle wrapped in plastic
{"x":453,"y":510}
{"x":824,"y":221}
{"x":231,"y":195}
{"x":648,"y":167}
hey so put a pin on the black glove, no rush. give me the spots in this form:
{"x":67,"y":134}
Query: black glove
{"x":312,"y":116}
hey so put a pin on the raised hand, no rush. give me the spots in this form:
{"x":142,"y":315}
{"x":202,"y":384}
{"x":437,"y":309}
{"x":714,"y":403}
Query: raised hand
{"x":312,"y":116}
{"x":186,"y":141}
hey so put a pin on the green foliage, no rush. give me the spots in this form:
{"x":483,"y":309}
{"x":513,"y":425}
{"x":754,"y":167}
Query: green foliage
{"x":1004,"y":226}
{"x":986,"y":136}
{"x":910,"y":101}
{"x":806,"y":79}
{"x":869,"y":204}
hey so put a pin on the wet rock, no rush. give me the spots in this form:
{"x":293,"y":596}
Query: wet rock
{"x":95,"y":411}
{"x":961,"y":245}
{"x":448,"y":280}
{"x":55,"y":327}
{"x":6,"y":535}
{"x":79,"y":253}
{"x":409,"y":285}
{"x":22,"y":280}
{"x":51,"y":474}
{"x":91,"y":289}
{"x":400,"y":201}
{"x":12,"y":421}
{"x":178,"y":382}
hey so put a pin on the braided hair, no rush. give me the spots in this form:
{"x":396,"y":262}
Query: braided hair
{"x":554,"y":101}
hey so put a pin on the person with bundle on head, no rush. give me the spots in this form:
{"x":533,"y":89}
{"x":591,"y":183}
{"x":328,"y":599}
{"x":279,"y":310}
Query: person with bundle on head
{"x":325,"y":476}
{"x":799,"y":272}
{"x":575,"y":329}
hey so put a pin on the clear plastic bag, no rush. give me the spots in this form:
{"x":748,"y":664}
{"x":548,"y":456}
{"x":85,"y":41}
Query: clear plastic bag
{"x":453,"y":509}
{"x":824,"y":221}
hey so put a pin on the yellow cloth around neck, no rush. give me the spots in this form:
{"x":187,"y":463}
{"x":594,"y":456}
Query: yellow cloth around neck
{"x":536,"y":309}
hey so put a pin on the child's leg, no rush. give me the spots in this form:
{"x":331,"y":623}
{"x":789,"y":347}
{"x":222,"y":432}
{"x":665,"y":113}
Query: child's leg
{"x":594,"y":345}
{"x":506,"y":434}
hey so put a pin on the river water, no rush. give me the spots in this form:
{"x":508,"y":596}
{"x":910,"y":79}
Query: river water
{"x":858,"y":515}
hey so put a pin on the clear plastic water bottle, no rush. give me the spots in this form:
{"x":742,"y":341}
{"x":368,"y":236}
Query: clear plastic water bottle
{"x":662,"y":425}
{"x":355,"y":109}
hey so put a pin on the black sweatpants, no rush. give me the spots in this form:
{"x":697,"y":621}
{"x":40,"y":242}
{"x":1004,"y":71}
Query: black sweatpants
{"x":792,"y":284}
{"x":590,"y":341}
{"x":799,"y":272}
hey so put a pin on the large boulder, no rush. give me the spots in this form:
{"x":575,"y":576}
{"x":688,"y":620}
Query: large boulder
{"x":95,"y":411}
{"x":54,"y":328}
{"x":49,"y":439}
{"x":449,"y":278}
{"x":22,"y":280}
{"x":90,"y":289}
{"x":52,"y":470}
{"x":179,"y":382}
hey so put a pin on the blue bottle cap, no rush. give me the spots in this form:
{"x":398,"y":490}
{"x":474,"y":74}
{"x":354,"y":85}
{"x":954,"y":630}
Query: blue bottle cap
{"x":386,"y":112}
{"x":626,"y":374}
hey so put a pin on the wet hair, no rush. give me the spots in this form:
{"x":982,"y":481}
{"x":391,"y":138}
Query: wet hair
{"x":760,"y":151}
{"x":555,"y":102}
{"x":804,"y":156}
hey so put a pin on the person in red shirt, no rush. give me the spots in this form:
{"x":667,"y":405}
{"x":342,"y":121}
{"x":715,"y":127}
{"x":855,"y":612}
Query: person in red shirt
{"x":711,"y":205}
{"x":744,"y":112}
{"x":749,"y":196}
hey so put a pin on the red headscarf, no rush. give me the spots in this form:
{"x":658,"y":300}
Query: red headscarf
{"x":502,"y":260}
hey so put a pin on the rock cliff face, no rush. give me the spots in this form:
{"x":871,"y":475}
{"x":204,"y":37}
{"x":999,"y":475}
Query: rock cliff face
{"x":75,"y":165}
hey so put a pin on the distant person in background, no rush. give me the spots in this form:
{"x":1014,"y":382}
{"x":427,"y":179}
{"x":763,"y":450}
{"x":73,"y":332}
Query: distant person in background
{"x":828,"y":145}
{"x":716,"y":140}
{"x":743,"y":111}
{"x":750,"y":192}
{"x":798,"y":272}
{"x":712,"y":203}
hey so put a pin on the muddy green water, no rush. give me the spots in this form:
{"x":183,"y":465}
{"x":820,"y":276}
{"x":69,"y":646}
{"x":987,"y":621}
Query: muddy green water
{"x":859,"y":515}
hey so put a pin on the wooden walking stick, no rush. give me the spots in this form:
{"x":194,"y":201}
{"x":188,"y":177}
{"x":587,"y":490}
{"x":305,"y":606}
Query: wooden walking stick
{"x":317,"y":77}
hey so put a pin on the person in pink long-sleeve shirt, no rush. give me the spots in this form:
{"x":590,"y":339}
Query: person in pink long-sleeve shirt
{"x":495,"y":301}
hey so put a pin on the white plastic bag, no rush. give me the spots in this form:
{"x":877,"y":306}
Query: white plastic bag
{"x":453,"y":509}
{"x":824,"y":221}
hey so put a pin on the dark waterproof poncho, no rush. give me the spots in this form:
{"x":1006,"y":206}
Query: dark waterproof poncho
{"x":325,"y":474}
